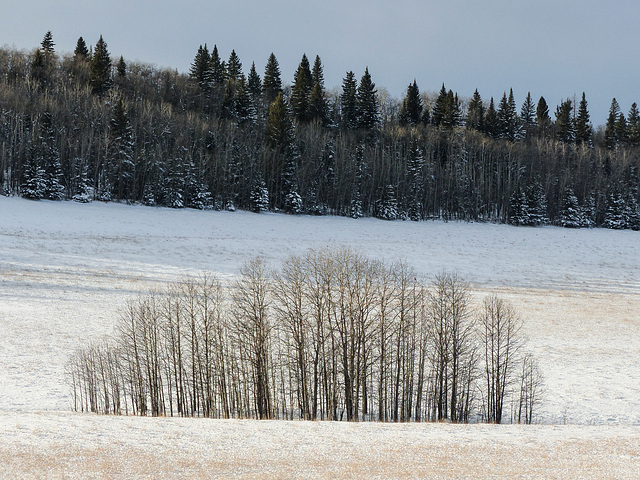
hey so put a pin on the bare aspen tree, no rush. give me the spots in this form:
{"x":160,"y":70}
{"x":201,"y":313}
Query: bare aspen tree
{"x":531,"y":389}
{"x":452,"y":345}
{"x":251,"y":322}
{"x":500,"y":339}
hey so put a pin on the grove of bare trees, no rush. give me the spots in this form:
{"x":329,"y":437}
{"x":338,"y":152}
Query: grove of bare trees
{"x":329,"y":335}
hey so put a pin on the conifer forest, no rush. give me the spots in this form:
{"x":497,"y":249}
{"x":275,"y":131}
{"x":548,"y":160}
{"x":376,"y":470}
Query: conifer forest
{"x":86,"y":126}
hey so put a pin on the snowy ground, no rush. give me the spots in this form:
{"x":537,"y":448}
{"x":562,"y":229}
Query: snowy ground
{"x":66,"y":268}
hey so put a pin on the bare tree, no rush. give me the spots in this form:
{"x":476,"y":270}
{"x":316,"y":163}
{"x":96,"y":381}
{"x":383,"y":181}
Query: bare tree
{"x":500,"y":339}
{"x":531,"y":389}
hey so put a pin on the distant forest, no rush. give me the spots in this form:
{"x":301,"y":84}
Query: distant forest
{"x":87,"y":126}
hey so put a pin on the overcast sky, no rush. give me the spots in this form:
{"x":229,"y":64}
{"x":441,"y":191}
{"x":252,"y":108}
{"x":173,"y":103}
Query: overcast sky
{"x":553,"y":48}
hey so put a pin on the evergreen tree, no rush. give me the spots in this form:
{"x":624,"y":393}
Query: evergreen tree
{"x":216,"y":68}
{"x":234,"y":67}
{"x":367,"y":108}
{"x":543,"y":120}
{"x":507,"y":117}
{"x":318,"y":106}
{"x":271,"y":82}
{"x":615,"y":215}
{"x":34,"y":182}
{"x":570,"y":212}
{"x":387,"y":207}
{"x":279,"y":134}
{"x":611,"y":131}
{"x":121,"y":68}
{"x":254,"y":84}
{"x":622,"y":132}
{"x":201,"y":69}
{"x":415,"y":164}
{"x":47,"y":44}
{"x":584,"y":129}
{"x":475,"y":113}
{"x":411,"y":111}
{"x":565,"y":130}
{"x":440,"y":108}
{"x":100,"y":68}
{"x":528,"y":116}
{"x":121,"y":164}
{"x":259,"y":197}
{"x":301,"y":91}
{"x":633,"y":125}
{"x":519,"y":208}
{"x":348,"y":102}
{"x":491,"y":121}
{"x":536,"y":205}
{"x":50,"y":154}
{"x":81,"y":51}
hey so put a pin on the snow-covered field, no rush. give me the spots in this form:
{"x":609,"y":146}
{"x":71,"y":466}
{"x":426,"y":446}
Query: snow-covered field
{"x":66,"y":268}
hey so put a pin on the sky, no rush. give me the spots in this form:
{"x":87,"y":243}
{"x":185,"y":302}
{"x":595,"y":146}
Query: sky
{"x":552,"y":48}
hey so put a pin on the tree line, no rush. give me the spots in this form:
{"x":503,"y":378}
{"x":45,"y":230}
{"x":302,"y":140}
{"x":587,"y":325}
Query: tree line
{"x":89,"y":127}
{"x":329,"y":335}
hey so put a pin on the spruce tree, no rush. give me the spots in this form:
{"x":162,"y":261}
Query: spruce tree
{"x":570,"y":212}
{"x":271,"y":82}
{"x":50,"y":154}
{"x":301,"y":91}
{"x":415,"y":164}
{"x":475,"y":113}
{"x":318,"y":106}
{"x":47,"y":44}
{"x":491,"y":121}
{"x":216,"y":68}
{"x":201,"y":69}
{"x":543,"y":120}
{"x":81,"y":51}
{"x":565,"y":130}
{"x":528,"y":116}
{"x":411,"y":111}
{"x":584,"y":130}
{"x":234,"y":67}
{"x":440,"y":108}
{"x":506,"y":117}
{"x":611,"y":138}
{"x":121,"y":68}
{"x":121,"y":164}
{"x":367,"y":108}
{"x":348,"y":102}
{"x":633,"y":125}
{"x":100,"y":68}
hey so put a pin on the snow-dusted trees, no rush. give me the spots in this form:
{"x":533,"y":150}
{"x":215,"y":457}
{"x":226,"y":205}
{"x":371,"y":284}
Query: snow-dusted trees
{"x":329,"y":335}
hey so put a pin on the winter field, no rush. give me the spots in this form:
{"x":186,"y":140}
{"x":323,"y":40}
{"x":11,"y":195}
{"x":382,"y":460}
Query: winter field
{"x":66,"y":269}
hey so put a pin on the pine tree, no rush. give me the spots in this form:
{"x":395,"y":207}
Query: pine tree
{"x":216,"y":67}
{"x":565,"y":130}
{"x":318,"y":106}
{"x":570,"y":212}
{"x":611,"y":138}
{"x":81,"y":51}
{"x":491,"y":121}
{"x":543,"y":121}
{"x":367,"y":108}
{"x":440,"y":108}
{"x":121,"y":164}
{"x":507,"y":118}
{"x":121,"y":68}
{"x":271,"y":82}
{"x":415,"y":164}
{"x":301,"y":91}
{"x":50,"y":154}
{"x":348,"y":102}
{"x":201,"y":69}
{"x":475,"y":113}
{"x":633,"y":125}
{"x":100,"y":68}
{"x":519,"y":208}
{"x":615,"y":217}
{"x":584,"y":129}
{"x":528,"y":117}
{"x":387,"y":207}
{"x":411,"y":111}
{"x":536,"y":205}
{"x":234,"y":67}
